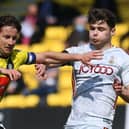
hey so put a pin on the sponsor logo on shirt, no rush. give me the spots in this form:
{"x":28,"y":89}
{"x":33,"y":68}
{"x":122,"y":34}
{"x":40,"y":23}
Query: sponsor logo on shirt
{"x":96,"y":69}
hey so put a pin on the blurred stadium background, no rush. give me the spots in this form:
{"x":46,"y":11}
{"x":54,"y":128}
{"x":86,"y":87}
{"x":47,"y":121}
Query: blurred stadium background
{"x":24,"y":112}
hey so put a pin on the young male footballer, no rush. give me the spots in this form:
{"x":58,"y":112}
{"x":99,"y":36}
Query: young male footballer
{"x":94,"y":97}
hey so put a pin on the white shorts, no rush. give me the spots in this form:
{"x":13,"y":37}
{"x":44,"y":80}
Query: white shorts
{"x":85,"y":127}
{"x":90,"y":123}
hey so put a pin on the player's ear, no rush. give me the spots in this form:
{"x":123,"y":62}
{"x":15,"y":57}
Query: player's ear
{"x":113,"y":30}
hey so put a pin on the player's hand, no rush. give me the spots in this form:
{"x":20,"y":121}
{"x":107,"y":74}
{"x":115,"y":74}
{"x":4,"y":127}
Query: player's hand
{"x":117,"y":86}
{"x":93,"y":55}
{"x":11,"y":73}
{"x":41,"y":71}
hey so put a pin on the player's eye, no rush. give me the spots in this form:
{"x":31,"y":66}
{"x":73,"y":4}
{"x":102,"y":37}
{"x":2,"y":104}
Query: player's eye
{"x":7,"y":36}
{"x":14,"y":38}
{"x":101,"y":29}
{"x":92,"y":28}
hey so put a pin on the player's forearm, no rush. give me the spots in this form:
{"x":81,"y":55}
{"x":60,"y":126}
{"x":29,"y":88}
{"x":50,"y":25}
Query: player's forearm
{"x":61,"y":57}
{"x":57,"y":57}
{"x":125,"y":93}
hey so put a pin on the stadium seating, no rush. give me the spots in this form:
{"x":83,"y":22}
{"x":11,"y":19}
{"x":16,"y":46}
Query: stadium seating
{"x":56,"y":32}
{"x":64,"y":95}
{"x":20,"y":101}
{"x":121,"y":29}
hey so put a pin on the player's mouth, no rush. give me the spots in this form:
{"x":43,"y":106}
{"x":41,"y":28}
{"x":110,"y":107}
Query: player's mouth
{"x":9,"y":48}
{"x":95,"y":41}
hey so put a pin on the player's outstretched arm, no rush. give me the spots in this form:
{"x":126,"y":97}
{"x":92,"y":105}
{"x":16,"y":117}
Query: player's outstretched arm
{"x":11,"y":73}
{"x":54,"y":59}
{"x":122,"y":91}
{"x":61,"y":58}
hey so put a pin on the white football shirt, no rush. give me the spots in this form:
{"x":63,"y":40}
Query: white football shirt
{"x":94,"y":94}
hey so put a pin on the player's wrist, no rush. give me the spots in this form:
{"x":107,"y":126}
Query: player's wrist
{"x":78,"y":57}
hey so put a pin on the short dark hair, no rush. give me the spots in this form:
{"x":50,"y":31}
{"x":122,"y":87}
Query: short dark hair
{"x":106,"y":15}
{"x":9,"y":20}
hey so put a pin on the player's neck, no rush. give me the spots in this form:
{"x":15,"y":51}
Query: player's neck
{"x":103,"y":46}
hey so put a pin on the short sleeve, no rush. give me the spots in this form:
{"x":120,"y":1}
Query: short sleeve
{"x":23,"y":57}
{"x":31,"y":59}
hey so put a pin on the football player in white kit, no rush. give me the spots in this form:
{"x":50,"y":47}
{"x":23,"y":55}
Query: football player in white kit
{"x":94,"y":97}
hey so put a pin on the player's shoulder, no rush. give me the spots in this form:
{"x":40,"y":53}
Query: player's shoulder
{"x":120,"y":54}
{"x":120,"y":51}
{"x":19,"y":53}
{"x":24,"y":57}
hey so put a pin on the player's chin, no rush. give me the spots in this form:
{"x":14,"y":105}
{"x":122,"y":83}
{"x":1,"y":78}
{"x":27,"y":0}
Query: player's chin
{"x":7,"y":53}
{"x":95,"y":43}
